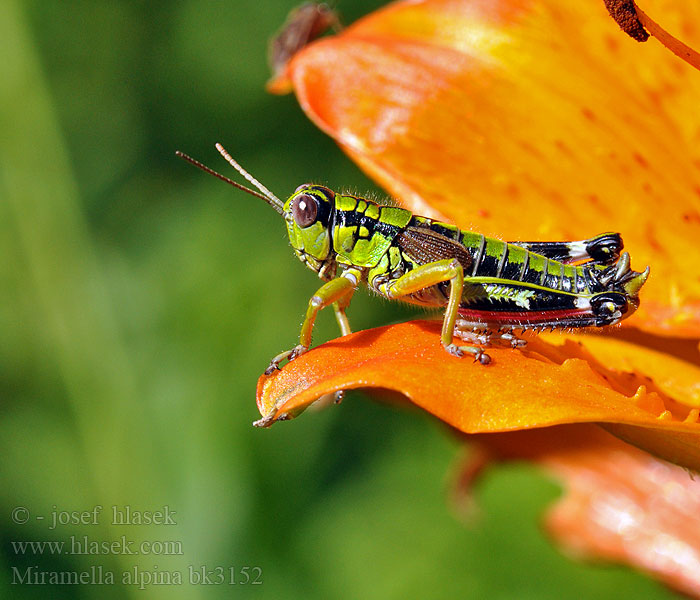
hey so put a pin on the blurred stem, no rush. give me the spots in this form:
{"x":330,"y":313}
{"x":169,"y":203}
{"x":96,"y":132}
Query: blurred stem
{"x":79,"y":332}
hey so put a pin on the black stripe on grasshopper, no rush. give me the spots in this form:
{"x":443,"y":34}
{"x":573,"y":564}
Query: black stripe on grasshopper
{"x":489,"y":288}
{"x":602,"y":249}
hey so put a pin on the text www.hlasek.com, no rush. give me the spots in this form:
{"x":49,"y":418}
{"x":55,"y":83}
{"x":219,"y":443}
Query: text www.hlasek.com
{"x":83,"y":545}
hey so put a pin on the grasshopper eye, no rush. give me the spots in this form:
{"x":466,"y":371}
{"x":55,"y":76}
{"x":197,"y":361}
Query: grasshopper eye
{"x":304,"y":210}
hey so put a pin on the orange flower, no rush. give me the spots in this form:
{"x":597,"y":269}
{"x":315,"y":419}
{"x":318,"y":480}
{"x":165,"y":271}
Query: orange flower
{"x":532,"y":119}
{"x":525,"y":120}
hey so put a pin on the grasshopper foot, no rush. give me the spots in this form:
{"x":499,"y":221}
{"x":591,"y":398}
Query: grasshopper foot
{"x":289,"y":355}
{"x":478,"y":353}
{"x":510,"y":339}
{"x":504,"y":339}
{"x":454,"y":350}
{"x":481,"y":357}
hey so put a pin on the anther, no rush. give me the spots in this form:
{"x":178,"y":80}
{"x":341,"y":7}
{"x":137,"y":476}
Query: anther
{"x":625,"y":15}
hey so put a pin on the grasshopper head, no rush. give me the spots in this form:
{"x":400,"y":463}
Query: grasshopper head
{"x":308,"y":213}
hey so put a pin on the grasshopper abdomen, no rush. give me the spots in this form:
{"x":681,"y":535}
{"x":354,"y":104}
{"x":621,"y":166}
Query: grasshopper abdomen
{"x":511,"y":286}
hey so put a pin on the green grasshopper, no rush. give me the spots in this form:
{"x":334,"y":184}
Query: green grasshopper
{"x":490,"y":289}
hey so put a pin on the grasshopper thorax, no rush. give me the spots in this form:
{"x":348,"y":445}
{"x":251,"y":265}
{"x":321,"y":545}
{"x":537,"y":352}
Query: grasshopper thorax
{"x":308,"y":213}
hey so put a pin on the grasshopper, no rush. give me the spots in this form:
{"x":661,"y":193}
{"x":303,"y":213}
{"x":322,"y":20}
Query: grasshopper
{"x":490,"y":289}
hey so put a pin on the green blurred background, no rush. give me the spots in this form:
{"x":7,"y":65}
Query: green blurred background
{"x":141,"y":299}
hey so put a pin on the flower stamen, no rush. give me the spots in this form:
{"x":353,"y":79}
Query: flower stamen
{"x":625,"y":15}
{"x":639,"y":26}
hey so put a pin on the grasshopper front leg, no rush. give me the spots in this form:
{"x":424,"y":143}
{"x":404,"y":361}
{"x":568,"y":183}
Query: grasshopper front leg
{"x":429,"y":275}
{"x":337,"y":292}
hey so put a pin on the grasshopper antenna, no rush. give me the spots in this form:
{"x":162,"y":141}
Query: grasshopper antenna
{"x":263,"y":194}
{"x":247,"y":175}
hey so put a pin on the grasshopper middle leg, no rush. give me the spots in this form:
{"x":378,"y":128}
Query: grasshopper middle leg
{"x":468,"y":331}
{"x":429,"y":275}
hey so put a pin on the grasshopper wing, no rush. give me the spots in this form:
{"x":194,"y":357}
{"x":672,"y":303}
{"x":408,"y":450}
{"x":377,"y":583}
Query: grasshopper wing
{"x":426,"y":246}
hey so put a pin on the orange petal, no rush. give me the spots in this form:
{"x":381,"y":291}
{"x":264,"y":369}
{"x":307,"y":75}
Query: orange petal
{"x":541,"y":386}
{"x":526,"y":119}
{"x":619,"y":503}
